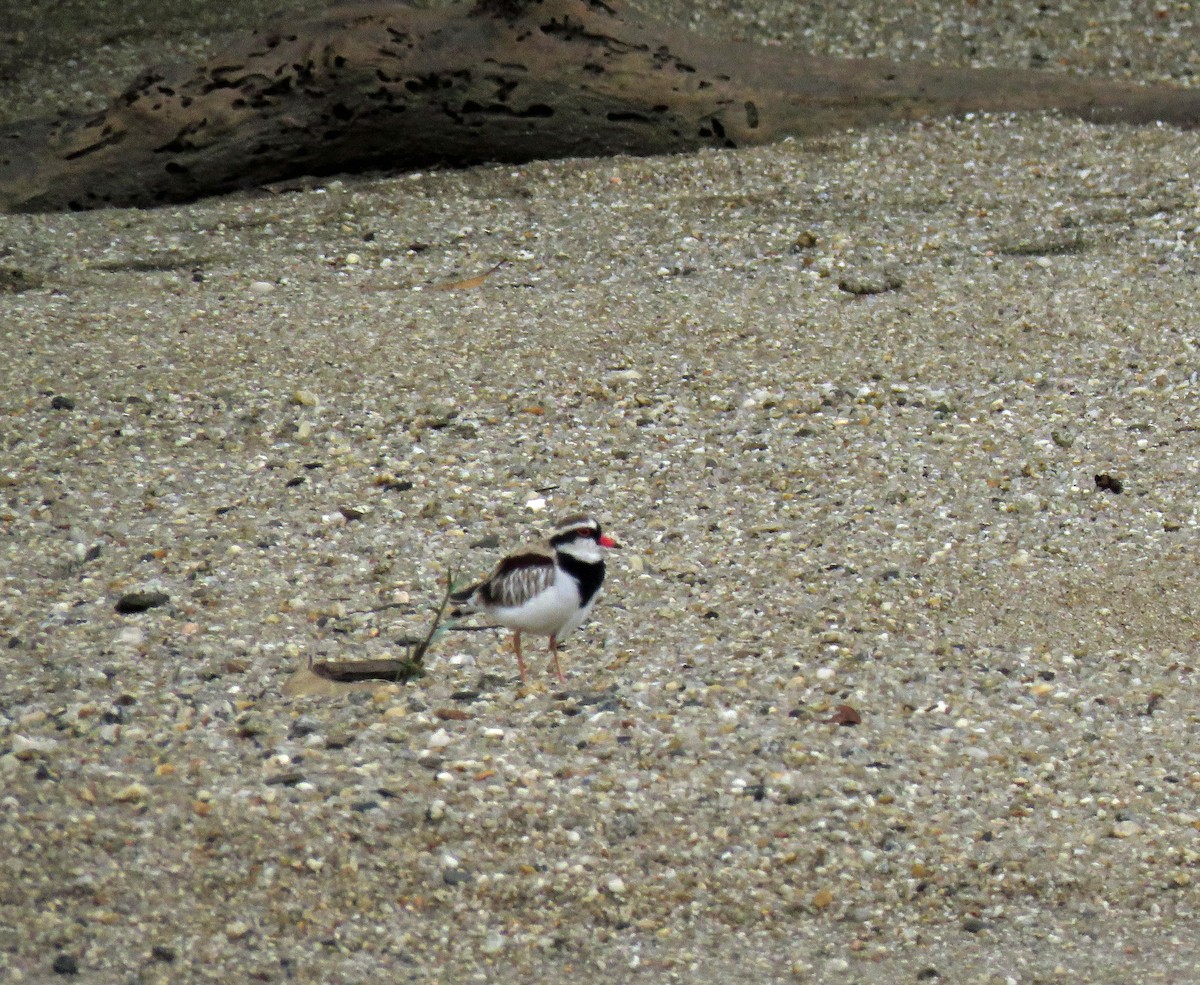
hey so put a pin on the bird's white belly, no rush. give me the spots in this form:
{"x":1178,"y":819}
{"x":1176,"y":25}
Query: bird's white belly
{"x":554,"y":612}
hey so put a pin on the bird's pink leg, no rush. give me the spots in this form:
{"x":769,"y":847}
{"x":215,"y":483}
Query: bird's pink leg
{"x":520,"y":659}
{"x":557,"y":667}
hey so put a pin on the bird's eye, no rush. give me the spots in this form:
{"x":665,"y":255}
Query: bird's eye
{"x":586,"y":532}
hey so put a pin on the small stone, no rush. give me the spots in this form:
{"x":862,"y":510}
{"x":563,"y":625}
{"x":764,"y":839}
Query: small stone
{"x":261,"y":287}
{"x":340,"y":739}
{"x":870,"y":282}
{"x":615,"y":885}
{"x":65,"y":964}
{"x":1126,"y":829}
{"x":59,"y":402}
{"x":305,"y":398}
{"x":302,"y":726}
{"x":822,"y":899}
{"x":26,"y":748}
{"x":132,"y":602}
{"x":133,"y":792}
{"x":252,"y":723}
{"x":237,"y":930}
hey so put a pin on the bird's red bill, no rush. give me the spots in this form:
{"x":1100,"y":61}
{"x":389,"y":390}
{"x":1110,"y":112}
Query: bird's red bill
{"x":607,"y":541}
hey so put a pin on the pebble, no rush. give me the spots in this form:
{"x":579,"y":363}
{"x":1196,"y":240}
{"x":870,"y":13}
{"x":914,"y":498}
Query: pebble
{"x":133,"y":602}
{"x":25,"y":747}
{"x":236,"y":930}
{"x":1126,"y":829}
{"x":131,"y":792}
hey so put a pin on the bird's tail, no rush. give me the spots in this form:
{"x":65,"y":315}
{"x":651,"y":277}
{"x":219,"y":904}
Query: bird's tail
{"x":465,"y":601}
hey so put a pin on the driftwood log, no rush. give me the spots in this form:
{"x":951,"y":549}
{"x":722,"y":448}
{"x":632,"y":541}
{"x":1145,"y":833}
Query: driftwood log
{"x":382,"y":85}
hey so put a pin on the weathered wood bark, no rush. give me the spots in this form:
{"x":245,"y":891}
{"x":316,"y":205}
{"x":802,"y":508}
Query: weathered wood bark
{"x":383,"y":85}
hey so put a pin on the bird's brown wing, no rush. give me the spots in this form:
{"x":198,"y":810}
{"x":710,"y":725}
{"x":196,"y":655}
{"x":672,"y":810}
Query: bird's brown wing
{"x":518,"y":578}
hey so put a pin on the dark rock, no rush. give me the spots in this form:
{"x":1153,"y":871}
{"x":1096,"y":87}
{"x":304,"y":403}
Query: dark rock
{"x":65,"y":964}
{"x":60,"y":402}
{"x":141,"y":601}
{"x":302,"y":726}
{"x":287,"y":779}
{"x":465,"y":696}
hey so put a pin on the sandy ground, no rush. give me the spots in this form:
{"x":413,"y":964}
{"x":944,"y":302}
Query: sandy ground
{"x":845,"y":402}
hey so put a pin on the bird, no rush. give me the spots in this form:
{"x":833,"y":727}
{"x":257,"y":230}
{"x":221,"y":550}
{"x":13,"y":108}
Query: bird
{"x":544,"y":590}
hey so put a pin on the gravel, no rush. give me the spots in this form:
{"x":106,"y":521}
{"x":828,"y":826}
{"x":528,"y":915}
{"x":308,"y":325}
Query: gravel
{"x":261,"y":413}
